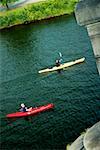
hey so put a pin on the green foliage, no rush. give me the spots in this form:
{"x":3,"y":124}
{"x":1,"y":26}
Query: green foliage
{"x":36,"y":11}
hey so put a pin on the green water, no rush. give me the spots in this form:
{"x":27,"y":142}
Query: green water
{"x":24,"y":50}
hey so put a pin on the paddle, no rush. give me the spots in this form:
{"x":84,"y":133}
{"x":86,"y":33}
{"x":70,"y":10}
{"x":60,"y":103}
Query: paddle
{"x":60,"y":54}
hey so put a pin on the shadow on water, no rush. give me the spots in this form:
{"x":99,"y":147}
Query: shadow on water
{"x":14,"y":122}
{"x":14,"y":36}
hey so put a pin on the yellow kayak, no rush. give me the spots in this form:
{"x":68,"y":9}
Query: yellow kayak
{"x":65,"y":65}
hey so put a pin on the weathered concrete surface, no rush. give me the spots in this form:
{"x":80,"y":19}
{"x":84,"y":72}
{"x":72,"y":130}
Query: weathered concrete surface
{"x":89,"y":140}
{"x":92,"y":138}
{"x":88,"y":14}
{"x":94,"y":33}
{"x":77,"y":144}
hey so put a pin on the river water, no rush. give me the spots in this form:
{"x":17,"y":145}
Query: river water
{"x":75,"y":92}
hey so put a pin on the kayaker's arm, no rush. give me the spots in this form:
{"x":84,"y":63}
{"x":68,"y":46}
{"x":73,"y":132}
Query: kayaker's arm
{"x":29,"y":109}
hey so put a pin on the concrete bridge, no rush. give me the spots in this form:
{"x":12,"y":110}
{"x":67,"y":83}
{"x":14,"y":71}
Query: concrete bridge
{"x":90,"y":140}
{"x":87,"y":14}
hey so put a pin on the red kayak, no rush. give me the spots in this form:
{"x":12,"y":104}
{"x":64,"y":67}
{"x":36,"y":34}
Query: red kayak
{"x":34,"y":111}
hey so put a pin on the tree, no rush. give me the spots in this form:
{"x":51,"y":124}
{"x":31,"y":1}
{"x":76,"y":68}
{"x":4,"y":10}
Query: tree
{"x":5,"y":2}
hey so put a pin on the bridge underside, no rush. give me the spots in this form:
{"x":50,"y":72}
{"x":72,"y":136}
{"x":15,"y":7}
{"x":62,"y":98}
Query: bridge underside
{"x":87,"y":14}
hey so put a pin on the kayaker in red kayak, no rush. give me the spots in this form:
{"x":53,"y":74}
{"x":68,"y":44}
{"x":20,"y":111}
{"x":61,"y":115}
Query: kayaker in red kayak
{"x":24,"y":108}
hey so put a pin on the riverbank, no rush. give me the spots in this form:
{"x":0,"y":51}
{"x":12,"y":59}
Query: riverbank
{"x":36,"y":11}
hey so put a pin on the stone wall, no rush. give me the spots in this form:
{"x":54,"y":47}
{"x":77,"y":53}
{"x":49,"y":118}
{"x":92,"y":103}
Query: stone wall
{"x":89,"y":140}
{"x":87,"y":14}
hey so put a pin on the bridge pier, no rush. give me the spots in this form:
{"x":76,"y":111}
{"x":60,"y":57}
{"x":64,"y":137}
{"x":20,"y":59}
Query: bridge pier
{"x":87,"y":14}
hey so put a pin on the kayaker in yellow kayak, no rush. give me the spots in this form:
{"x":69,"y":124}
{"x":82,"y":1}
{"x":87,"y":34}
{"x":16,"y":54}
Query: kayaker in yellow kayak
{"x":58,"y":62}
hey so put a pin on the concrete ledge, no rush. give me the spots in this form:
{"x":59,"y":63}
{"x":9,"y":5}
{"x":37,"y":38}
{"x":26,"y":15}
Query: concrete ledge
{"x":92,"y":138}
{"x":87,"y":141}
{"x":87,"y":12}
{"x":77,"y":144}
{"x":94,"y":29}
